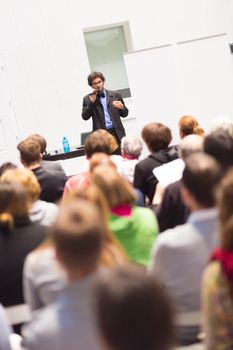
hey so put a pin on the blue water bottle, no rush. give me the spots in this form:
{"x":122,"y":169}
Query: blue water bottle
{"x":66,"y":146}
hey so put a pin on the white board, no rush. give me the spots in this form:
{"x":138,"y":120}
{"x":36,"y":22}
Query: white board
{"x":194,"y":78}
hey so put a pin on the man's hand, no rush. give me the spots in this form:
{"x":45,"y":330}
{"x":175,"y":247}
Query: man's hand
{"x":92,"y":96}
{"x":118,"y":104}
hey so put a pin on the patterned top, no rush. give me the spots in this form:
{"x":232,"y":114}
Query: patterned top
{"x":217,"y":308}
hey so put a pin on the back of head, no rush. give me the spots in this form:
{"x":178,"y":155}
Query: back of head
{"x":98,"y":141}
{"x":156,"y":136}
{"x":77,"y":235}
{"x":190,"y":144}
{"x":6,"y":166}
{"x":40,"y":140}
{"x":222,"y":124}
{"x":219,"y":145}
{"x":116,"y":189}
{"x":133,"y":311}
{"x":131,"y":146}
{"x":93,"y":75}
{"x":14,"y":204}
{"x":100,"y":159}
{"x":24,"y":177}
{"x":29,"y":151}
{"x":201,"y":175}
{"x":189,"y":125}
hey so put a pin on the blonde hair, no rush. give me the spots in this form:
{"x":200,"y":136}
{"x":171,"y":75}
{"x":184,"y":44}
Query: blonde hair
{"x":100,"y":159}
{"x":112,"y":253}
{"x":116,"y":189}
{"x":14,"y":203}
{"x":26,"y":178}
{"x":189,"y":125}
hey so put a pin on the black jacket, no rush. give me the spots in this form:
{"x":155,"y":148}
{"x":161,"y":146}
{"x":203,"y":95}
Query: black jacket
{"x":96,"y":112}
{"x":144,"y":178}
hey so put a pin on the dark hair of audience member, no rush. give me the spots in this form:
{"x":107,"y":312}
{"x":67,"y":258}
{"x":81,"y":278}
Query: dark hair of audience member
{"x":116,"y":189}
{"x":29,"y":151}
{"x":96,"y":142}
{"x":201,"y":175}
{"x":92,"y":76}
{"x":189,"y":125}
{"x":6,"y":166}
{"x":133,"y":311}
{"x":39,"y":139}
{"x":219,"y":145}
{"x":78,"y":235}
{"x":156,"y":136}
{"x":14,"y":204}
{"x":112,"y":253}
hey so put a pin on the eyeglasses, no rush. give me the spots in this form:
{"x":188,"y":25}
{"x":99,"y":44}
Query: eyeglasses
{"x":97,"y":82}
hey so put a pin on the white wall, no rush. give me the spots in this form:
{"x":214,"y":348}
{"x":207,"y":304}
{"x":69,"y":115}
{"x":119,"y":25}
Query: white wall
{"x":43,"y":49}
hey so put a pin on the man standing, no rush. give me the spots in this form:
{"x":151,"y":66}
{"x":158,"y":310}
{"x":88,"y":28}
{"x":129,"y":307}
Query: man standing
{"x":105,"y":107}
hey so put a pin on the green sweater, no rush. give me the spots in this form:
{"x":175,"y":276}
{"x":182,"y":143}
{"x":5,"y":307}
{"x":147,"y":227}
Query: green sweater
{"x":136,"y":233}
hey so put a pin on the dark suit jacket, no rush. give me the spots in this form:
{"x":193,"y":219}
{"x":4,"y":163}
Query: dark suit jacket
{"x":96,"y":112}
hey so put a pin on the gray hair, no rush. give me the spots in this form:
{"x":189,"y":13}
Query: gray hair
{"x":132,"y":145}
{"x":222,"y":123}
{"x":190,"y":144}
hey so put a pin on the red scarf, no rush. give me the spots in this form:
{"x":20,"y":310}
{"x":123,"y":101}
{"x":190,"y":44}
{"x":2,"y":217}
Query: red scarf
{"x":122,"y":210}
{"x":225,"y":257}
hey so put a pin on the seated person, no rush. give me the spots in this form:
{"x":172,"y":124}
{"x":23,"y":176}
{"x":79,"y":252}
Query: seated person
{"x":69,"y":321}
{"x":157,"y":138}
{"x":134,"y":227}
{"x":133,"y":311}
{"x":217,"y":283}
{"x":131,"y":149}
{"x":51,"y":183}
{"x":180,"y":254}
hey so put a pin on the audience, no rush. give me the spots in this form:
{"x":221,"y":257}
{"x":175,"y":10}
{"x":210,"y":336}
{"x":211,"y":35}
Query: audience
{"x":131,"y":149}
{"x":18,"y":236}
{"x":70,"y":263}
{"x":51,"y":183}
{"x":69,"y":321}
{"x":40,"y":211}
{"x":133,"y":311}
{"x":219,"y":145}
{"x":180,"y":254}
{"x":189,"y":125}
{"x":157,"y":138}
{"x":134,"y":227}
{"x":100,"y":141}
{"x":172,"y":211}
{"x":217,"y":284}
{"x":46,"y":164}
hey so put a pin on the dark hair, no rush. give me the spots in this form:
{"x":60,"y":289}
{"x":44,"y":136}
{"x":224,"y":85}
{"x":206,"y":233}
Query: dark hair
{"x":133,"y":310}
{"x":157,"y":136}
{"x":219,"y":145}
{"x":96,"y":142}
{"x":201,"y":175}
{"x":78,"y":234}
{"x":6,"y":166}
{"x":92,"y":76}
{"x":39,"y":139}
{"x":29,"y":151}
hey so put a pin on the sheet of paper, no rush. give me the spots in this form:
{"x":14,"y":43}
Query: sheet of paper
{"x":169,"y":172}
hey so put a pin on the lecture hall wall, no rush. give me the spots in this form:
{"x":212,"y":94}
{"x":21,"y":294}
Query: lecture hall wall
{"x":44,"y":55}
